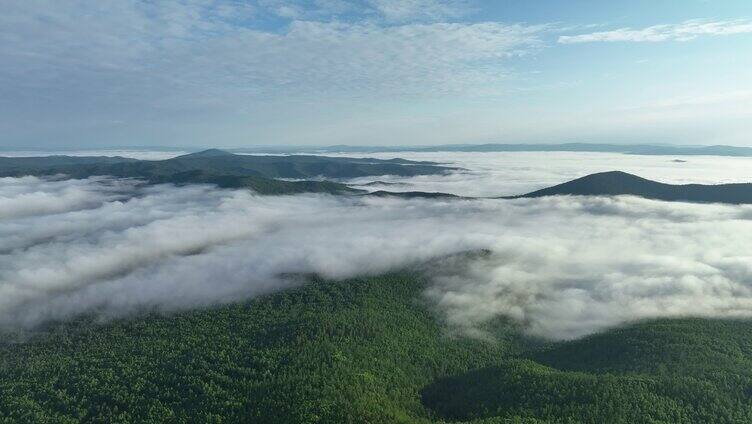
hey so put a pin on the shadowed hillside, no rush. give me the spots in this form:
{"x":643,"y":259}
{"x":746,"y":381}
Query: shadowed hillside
{"x":218,"y":162}
{"x":226,"y":170}
{"x":621,"y":183}
{"x":369,"y":350}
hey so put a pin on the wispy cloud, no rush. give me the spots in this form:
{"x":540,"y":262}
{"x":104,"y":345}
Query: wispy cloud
{"x":685,"y":31}
{"x":199,"y":54}
{"x":228,"y":72}
{"x":376,"y":10}
{"x":408,"y":10}
{"x":327,"y":10}
{"x":738,"y":97}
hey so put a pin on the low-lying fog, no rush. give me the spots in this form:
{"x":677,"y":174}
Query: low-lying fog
{"x":563,"y":266}
{"x":512,"y":173}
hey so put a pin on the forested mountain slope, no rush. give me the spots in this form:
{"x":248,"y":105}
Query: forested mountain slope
{"x":621,"y":183}
{"x":218,"y":162}
{"x":370,"y":350}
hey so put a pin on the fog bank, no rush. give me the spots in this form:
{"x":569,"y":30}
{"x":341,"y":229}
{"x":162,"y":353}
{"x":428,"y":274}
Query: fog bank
{"x":512,"y":173}
{"x":564,"y":267}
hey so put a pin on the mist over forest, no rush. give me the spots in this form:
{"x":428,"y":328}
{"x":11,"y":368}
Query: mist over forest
{"x":188,"y":241}
{"x":563,"y":266}
{"x":375,"y":211}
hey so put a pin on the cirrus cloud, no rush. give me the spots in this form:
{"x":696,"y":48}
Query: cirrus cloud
{"x":120,"y":71}
{"x":685,"y":31}
{"x":176,"y":54}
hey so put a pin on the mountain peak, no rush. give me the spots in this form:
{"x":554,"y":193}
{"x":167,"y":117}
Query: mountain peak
{"x":601,"y":183}
{"x":207,"y":154}
{"x":610,"y":177}
{"x":615,"y":183}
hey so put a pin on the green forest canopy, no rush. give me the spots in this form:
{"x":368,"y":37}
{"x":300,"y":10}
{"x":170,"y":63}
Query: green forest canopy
{"x":370,"y":350}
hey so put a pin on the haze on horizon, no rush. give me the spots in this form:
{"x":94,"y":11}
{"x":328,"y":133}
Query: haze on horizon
{"x":232,"y":73}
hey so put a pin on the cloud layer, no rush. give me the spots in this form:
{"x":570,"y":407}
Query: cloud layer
{"x":566,"y":267}
{"x":193,"y":53}
{"x":305,"y":72}
{"x":685,"y":31}
{"x":136,"y":72}
{"x":512,"y":173}
{"x":563,"y":267}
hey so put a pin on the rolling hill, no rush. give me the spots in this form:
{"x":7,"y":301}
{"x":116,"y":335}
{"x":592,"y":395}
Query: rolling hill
{"x":621,"y":183}
{"x":219,"y":162}
{"x":369,"y":350}
{"x":262,"y":174}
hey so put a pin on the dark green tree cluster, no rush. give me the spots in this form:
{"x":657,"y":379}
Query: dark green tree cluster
{"x":368,"y":350}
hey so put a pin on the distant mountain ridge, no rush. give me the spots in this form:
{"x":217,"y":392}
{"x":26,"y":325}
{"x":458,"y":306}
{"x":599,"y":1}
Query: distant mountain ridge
{"x":219,"y":162}
{"x":634,"y":149}
{"x":265,"y":173}
{"x":616,"y":183}
{"x":225,"y":169}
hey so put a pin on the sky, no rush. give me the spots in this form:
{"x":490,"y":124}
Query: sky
{"x":233,"y":73}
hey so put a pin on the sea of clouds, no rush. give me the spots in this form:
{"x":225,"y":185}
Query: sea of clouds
{"x":512,"y":173}
{"x":563,"y":266}
{"x":490,"y":174}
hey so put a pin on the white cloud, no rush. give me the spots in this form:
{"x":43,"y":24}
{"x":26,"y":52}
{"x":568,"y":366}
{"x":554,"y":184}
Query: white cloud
{"x":359,"y":59}
{"x":136,"y":72}
{"x":566,"y":267}
{"x":563,"y":266}
{"x":30,"y":196}
{"x":389,"y":11}
{"x":201,"y":53}
{"x":133,"y":72}
{"x":741,"y":98}
{"x":225,"y":72}
{"x":409,"y":10}
{"x":685,"y":31}
{"x":511,"y":173}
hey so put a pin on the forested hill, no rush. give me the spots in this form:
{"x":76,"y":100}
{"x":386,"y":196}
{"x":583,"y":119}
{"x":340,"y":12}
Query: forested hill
{"x":369,"y":350}
{"x":218,"y":162}
{"x":259,"y":173}
{"x":621,"y":183}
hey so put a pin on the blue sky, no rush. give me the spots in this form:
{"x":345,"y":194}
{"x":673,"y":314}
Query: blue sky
{"x":228,"y":73}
